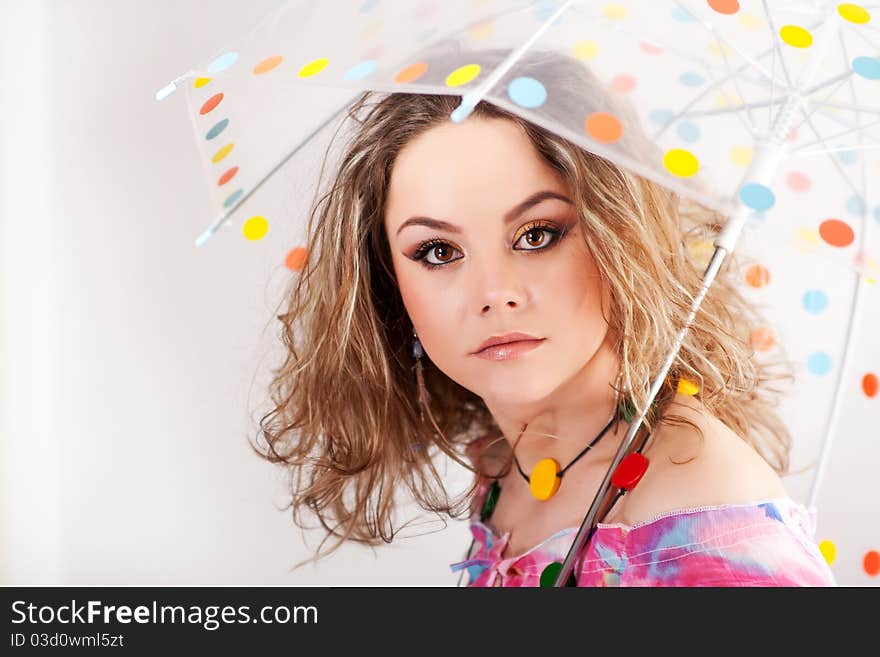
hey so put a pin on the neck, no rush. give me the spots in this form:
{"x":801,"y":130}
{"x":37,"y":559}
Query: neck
{"x":562,"y":424}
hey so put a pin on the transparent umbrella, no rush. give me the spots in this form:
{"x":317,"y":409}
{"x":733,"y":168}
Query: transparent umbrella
{"x":769,"y":115}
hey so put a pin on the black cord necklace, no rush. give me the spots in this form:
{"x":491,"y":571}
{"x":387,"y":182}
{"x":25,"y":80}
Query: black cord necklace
{"x":547,"y":476}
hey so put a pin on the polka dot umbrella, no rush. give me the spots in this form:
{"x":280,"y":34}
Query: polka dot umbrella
{"x":769,"y":115}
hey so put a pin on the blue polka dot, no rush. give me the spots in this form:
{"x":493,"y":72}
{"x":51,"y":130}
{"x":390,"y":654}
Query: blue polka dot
{"x":819,"y":363}
{"x":544,"y":10}
{"x":848,"y":157}
{"x":661,"y":116}
{"x":815,"y":301}
{"x":877,"y":214}
{"x":757,"y":196}
{"x":217,"y":129}
{"x":867,"y":67}
{"x":855,"y":205}
{"x":223,"y":62}
{"x":360,"y":70}
{"x":688,"y":131}
{"x":369,"y":5}
{"x":682,"y":16}
{"x":691,"y":79}
{"x":527,"y":92}
{"x":232,"y":198}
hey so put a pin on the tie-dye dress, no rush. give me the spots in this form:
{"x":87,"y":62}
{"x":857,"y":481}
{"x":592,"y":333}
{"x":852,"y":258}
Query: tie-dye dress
{"x":764,"y":543}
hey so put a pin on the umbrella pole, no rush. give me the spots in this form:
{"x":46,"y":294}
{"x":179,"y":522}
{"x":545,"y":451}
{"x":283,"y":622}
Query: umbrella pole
{"x":469,"y":101}
{"x":768,"y":157}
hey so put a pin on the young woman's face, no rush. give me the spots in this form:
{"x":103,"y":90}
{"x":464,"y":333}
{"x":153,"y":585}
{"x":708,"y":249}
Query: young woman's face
{"x":485,"y":242}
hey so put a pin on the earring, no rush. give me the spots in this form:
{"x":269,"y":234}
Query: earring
{"x":423,"y":394}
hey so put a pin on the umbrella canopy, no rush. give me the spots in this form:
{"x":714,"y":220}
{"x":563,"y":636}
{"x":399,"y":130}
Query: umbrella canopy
{"x":769,"y":115}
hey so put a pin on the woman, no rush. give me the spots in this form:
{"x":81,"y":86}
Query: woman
{"x":435,"y":240}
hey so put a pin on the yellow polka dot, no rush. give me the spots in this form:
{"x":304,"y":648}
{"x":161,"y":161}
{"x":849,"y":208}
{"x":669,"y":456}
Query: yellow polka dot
{"x":201,"y":82}
{"x":720,"y":49}
{"x":462,"y":75}
{"x":585,"y":50}
{"x":796,"y":36}
{"x":680,"y":162}
{"x":481,"y":31}
{"x":686,"y":387}
{"x":223,"y":152}
{"x":853,"y":13}
{"x":614,"y":12}
{"x":255,"y":228}
{"x":807,"y":240}
{"x":741,"y":156}
{"x":828,"y":551}
{"x":728,"y":99}
{"x":313,"y":67}
{"x":749,"y":21}
{"x":701,"y":251}
{"x":543,"y":481}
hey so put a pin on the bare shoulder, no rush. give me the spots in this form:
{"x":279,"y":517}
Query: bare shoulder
{"x":686,"y":472}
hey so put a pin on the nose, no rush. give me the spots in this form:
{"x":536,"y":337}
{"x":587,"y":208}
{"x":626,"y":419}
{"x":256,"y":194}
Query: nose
{"x":499,"y":286}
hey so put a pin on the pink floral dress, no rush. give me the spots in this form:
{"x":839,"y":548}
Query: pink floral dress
{"x":764,"y":543}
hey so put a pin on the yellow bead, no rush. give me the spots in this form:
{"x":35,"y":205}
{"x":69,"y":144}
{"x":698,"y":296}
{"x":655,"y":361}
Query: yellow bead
{"x":544,"y":481}
{"x":686,"y":387}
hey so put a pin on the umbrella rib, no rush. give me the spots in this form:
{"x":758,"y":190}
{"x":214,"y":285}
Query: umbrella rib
{"x":837,"y":166}
{"x":223,"y":218}
{"x":861,"y":34}
{"x":724,"y":42}
{"x":839,"y":134}
{"x":776,"y":46}
{"x":469,"y":100}
{"x":851,"y":327}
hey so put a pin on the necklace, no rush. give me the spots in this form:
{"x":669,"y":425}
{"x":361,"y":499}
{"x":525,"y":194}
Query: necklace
{"x":547,"y":475}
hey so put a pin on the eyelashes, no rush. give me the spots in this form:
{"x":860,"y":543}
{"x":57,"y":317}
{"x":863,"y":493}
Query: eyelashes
{"x":421,"y":253}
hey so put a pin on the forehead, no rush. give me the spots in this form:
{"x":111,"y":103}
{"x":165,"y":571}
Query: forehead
{"x":462,"y":170}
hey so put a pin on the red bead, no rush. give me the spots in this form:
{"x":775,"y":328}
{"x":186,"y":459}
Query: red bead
{"x":630,"y":471}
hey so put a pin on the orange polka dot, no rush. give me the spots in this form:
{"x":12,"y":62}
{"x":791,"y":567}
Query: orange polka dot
{"x":757,"y":276}
{"x":211,"y":103}
{"x":871,"y":563}
{"x":411,"y":73}
{"x":762,"y":339}
{"x":268,"y":64}
{"x":869,"y":384}
{"x":836,"y":232}
{"x":227,"y":176}
{"x":724,"y":6}
{"x":603,"y":127}
{"x":296,"y":259}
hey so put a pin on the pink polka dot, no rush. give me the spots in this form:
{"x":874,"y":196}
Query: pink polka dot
{"x":650,"y":48}
{"x":797,"y":181}
{"x":624,"y":83}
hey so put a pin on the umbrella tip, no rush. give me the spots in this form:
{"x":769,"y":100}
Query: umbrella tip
{"x":205,"y":236}
{"x":464,"y":109}
{"x":166,"y":91}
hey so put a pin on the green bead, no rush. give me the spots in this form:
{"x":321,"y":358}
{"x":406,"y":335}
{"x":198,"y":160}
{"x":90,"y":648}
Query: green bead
{"x":551,"y":572}
{"x":489,"y":502}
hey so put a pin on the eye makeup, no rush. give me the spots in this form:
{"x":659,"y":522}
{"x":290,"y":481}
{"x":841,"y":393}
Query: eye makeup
{"x":556,"y":232}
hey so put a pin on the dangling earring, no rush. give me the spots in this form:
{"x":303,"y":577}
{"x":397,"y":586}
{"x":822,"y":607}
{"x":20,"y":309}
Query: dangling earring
{"x":423,"y":395}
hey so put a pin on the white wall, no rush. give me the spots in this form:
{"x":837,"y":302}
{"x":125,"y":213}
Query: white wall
{"x":133,"y":363}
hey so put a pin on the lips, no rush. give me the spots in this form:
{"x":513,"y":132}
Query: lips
{"x":504,"y":339}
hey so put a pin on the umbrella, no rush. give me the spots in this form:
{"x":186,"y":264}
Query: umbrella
{"x":766,"y":114}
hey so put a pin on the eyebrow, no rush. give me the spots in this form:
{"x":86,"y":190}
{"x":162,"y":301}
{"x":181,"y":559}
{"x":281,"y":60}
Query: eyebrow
{"x":511,"y":214}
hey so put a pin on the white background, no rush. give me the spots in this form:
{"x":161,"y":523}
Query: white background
{"x":134,"y":366}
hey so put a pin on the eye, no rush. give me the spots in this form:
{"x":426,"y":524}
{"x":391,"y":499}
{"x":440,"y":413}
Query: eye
{"x":535,"y":234}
